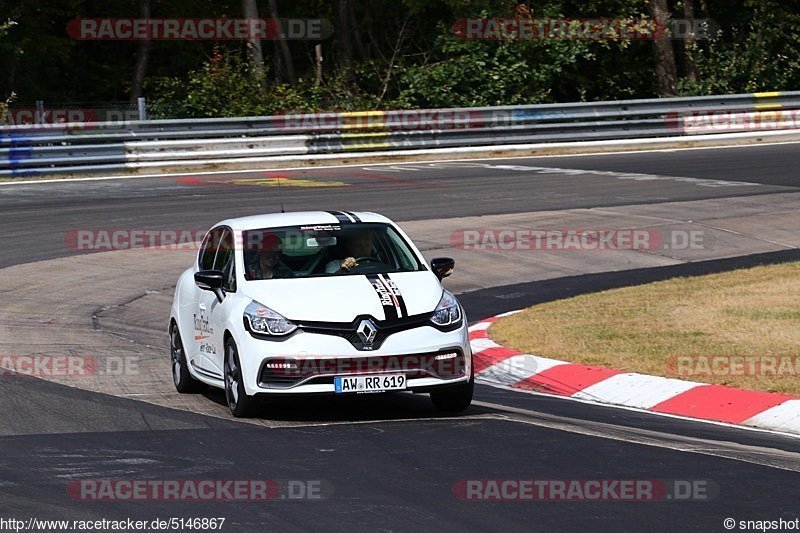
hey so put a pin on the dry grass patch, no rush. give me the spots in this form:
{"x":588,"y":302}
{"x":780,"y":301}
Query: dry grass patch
{"x":745,"y":317}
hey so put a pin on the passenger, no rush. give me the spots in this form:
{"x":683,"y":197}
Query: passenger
{"x":265,"y":261}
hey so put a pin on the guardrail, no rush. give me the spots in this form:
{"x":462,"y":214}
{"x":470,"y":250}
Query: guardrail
{"x":217,"y":143}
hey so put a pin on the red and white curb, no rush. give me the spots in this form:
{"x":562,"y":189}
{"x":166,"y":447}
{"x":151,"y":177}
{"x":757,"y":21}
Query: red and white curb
{"x":498,"y":365}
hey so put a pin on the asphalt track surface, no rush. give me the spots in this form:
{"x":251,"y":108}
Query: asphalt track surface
{"x":391,"y":462}
{"x":35,"y":218}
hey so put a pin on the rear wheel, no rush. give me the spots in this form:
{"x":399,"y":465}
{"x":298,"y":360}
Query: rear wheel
{"x":184,"y":382}
{"x":455,"y":398}
{"x":240,"y":404}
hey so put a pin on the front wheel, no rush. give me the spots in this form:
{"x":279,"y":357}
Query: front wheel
{"x":455,"y":398}
{"x":240,"y":404}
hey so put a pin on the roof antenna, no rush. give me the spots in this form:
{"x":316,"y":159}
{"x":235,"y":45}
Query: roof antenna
{"x":280,"y":193}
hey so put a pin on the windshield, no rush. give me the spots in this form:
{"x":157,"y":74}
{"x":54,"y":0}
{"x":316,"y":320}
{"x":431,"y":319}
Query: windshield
{"x":326,"y":250}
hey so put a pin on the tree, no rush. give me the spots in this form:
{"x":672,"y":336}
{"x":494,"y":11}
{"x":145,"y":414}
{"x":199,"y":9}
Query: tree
{"x":142,"y":55}
{"x":250,"y":11}
{"x":757,"y":49}
{"x":689,"y":43}
{"x":282,"y":54}
{"x":343,"y":38}
{"x":392,"y":53}
{"x":666,"y":71}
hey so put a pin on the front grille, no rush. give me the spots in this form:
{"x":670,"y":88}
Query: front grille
{"x":348,"y":335}
{"x":347,"y":330}
{"x":323,"y":370}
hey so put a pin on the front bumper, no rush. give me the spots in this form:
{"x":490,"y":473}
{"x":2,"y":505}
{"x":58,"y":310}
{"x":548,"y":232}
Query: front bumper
{"x":306,"y":363}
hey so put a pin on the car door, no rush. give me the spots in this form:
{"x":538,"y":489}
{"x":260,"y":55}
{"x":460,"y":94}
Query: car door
{"x":212,"y":347}
{"x":200,"y":323}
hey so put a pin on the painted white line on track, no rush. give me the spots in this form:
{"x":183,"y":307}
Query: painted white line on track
{"x":633,"y":176}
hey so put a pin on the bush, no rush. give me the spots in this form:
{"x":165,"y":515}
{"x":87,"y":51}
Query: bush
{"x":225,"y":87}
{"x":750,"y":58}
{"x":464,"y":73}
{"x":5,"y":103}
{"x":222,"y":87}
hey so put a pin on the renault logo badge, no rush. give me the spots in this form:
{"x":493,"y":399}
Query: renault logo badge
{"x":366,"y":331}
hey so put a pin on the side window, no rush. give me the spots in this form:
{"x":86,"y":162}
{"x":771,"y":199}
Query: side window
{"x":405,"y":258}
{"x":224,"y":260}
{"x":384,"y":253}
{"x":205,"y":259}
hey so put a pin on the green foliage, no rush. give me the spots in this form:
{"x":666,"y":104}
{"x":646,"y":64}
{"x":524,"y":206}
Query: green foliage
{"x":465,"y":73}
{"x":221,"y":87}
{"x":225,"y":86}
{"x":405,"y":55}
{"x":4,"y":103}
{"x":762,"y":54}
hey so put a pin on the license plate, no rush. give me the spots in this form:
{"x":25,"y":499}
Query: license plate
{"x":376,"y":383}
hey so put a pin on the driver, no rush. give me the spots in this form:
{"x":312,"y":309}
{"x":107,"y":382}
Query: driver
{"x":357,"y":246}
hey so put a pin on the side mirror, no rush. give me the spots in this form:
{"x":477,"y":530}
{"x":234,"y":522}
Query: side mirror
{"x":211,"y":280}
{"x":443,"y":266}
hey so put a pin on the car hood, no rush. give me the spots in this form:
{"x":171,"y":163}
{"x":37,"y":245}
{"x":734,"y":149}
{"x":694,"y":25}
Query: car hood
{"x":343,"y":298}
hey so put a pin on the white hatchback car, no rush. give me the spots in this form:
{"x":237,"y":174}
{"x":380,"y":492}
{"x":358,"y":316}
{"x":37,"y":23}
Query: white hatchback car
{"x":318,"y":302}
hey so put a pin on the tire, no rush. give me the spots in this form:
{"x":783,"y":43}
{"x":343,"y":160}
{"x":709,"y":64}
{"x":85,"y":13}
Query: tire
{"x":454,"y":399}
{"x":240,"y":404}
{"x":181,"y":378}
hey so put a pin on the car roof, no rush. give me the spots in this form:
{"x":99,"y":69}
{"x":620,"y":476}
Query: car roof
{"x":297,"y":218}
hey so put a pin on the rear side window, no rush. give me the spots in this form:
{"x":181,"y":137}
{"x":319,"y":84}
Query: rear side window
{"x":225,"y":250}
{"x":224,"y":259}
{"x":208,"y":250}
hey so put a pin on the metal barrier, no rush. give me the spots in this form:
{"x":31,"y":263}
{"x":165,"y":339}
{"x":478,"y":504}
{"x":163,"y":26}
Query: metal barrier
{"x":210,"y":143}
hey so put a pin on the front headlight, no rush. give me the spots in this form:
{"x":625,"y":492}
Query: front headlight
{"x":265,"y":321}
{"x":448,"y":312}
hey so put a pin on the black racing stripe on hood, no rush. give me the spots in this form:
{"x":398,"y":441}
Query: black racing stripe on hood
{"x":390,"y":310}
{"x":396,"y":291}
